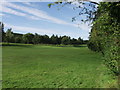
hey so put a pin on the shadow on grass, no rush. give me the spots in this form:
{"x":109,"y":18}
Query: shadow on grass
{"x":79,"y":45}
{"x":15,"y":44}
{"x":31,"y":45}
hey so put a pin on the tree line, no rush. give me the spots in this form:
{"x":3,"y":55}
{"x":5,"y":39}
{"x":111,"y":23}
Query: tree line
{"x":10,"y":37}
{"x":105,"y":34}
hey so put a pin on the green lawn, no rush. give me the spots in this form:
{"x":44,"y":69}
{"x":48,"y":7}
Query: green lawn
{"x":43,"y":66}
{"x":0,"y":67}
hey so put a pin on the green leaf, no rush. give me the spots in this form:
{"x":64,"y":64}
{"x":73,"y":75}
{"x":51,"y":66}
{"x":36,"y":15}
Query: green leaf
{"x":49,"y":5}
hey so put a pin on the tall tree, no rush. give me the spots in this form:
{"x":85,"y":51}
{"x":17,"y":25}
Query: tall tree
{"x":36,"y":39}
{"x":2,"y":33}
{"x":28,"y":38}
{"x":80,"y":40}
{"x":46,"y":39}
{"x":18,"y":39}
{"x":105,"y":34}
{"x":73,"y":41}
{"x":53,"y":39}
{"x":65,"y":40}
{"x":9,"y":36}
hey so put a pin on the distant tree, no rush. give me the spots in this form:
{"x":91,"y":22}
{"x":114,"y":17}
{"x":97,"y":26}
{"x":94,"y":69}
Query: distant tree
{"x":41,"y":39}
{"x":54,"y":39}
{"x":46,"y":39}
{"x":28,"y":38}
{"x":36,"y":39}
{"x":2,"y":33}
{"x":59,"y":39}
{"x":73,"y":41}
{"x":65,"y":40}
{"x":80,"y":41}
{"x":9,"y":36}
{"x":18,"y":39}
{"x":85,"y":41}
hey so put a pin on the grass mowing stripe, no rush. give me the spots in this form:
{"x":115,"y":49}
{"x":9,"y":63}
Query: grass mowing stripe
{"x":43,"y":66}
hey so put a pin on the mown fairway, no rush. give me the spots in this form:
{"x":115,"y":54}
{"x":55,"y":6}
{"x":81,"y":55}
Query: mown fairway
{"x":53,"y":67}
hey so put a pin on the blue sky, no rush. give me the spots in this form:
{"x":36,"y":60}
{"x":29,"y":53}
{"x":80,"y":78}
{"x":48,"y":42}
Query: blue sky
{"x":36,"y":17}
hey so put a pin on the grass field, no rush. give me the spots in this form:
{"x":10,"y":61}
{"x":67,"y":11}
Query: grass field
{"x":43,"y":66}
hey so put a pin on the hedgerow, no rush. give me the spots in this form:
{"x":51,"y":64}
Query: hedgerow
{"x":105,"y":34}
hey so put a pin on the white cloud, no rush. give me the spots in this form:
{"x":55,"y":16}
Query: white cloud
{"x":27,"y":3}
{"x":41,"y":31}
{"x":97,"y":1}
{"x":33,"y":30}
{"x":14,"y":12}
{"x":11,"y":11}
{"x":85,"y":27}
{"x":1,"y":14}
{"x":36,"y":14}
{"x":31,"y":4}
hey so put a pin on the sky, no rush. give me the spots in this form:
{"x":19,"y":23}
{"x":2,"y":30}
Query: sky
{"x":37,"y":17}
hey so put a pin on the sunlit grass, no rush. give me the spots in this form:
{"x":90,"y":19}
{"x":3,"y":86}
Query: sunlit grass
{"x":44,"y":66}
